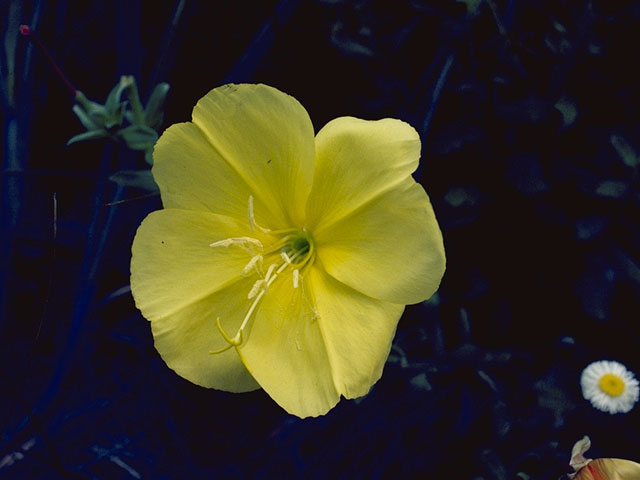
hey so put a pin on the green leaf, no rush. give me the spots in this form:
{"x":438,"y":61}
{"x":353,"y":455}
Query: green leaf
{"x":90,"y":135}
{"x":115,"y":118}
{"x":611,"y":188}
{"x":135,"y":178}
{"x":625,"y":150}
{"x":131,"y":118}
{"x":154,"y":110}
{"x":148,"y":156}
{"x":473,"y":6}
{"x":87,"y":121}
{"x":113,"y":104}
{"x":420,"y":382}
{"x":139,"y":137}
{"x":568,"y":110}
{"x":134,"y":99}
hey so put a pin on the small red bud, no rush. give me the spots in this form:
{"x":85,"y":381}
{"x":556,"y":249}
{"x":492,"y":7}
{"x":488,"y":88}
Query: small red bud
{"x":27,"y":32}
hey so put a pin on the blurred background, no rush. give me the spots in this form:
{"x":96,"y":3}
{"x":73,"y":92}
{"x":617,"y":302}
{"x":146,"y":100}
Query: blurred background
{"x":529,"y":118}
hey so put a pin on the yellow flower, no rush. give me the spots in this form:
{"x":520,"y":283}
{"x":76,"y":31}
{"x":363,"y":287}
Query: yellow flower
{"x":600,"y":468}
{"x":282,"y":261}
{"x":609,"y":469}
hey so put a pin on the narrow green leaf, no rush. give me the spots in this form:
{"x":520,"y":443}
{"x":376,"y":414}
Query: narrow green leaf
{"x":90,"y":135}
{"x":568,"y":110}
{"x":148,"y":156}
{"x":154,"y":110}
{"x":625,"y":150}
{"x":611,"y":188}
{"x":113,"y":104}
{"x":85,"y":119}
{"x":135,"y":178}
{"x":138,"y":137}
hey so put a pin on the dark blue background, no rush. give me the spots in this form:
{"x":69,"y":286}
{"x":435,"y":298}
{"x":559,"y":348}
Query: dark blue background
{"x":543,"y":269}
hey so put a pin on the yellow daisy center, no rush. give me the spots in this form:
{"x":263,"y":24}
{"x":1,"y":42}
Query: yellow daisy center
{"x":611,"y":384}
{"x":291,"y":249}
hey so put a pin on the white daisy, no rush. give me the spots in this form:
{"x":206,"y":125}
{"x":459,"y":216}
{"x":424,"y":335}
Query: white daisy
{"x":609,"y":386}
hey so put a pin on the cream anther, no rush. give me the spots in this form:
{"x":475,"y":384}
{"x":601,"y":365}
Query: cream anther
{"x":296,"y":277}
{"x":256,"y":288}
{"x":254,"y":264}
{"x":286,"y":258}
{"x":242,"y":242}
{"x":270,"y":270}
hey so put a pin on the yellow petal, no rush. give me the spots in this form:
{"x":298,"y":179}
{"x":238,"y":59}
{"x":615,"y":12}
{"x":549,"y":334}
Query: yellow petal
{"x":357,"y":160}
{"x":390,"y":248}
{"x":175,"y":275}
{"x":357,"y":330}
{"x":192,"y":175}
{"x":286,"y":354}
{"x":172,"y":264}
{"x":609,"y":469}
{"x":186,"y":337}
{"x":266,"y":136}
{"x":625,"y":469}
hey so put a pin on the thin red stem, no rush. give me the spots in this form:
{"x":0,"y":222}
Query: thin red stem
{"x":27,"y":32}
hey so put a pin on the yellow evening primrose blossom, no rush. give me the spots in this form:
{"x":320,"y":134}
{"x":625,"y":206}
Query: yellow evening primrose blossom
{"x":281,"y":260}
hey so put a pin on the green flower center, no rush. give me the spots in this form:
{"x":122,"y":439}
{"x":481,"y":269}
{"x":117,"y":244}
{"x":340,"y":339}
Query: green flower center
{"x":611,"y":384}
{"x":299,"y":246}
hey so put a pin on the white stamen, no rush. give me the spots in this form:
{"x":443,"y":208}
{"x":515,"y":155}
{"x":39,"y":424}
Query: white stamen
{"x":252,"y":265}
{"x":243,"y":242}
{"x":286,"y":258}
{"x":255,"y":289}
{"x":252,"y":218}
{"x":270,"y":270}
{"x":222,"y":243}
{"x":256,"y":263}
{"x":278,"y":272}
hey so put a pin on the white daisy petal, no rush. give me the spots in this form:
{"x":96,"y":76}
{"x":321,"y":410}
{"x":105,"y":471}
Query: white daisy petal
{"x":609,"y":386}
